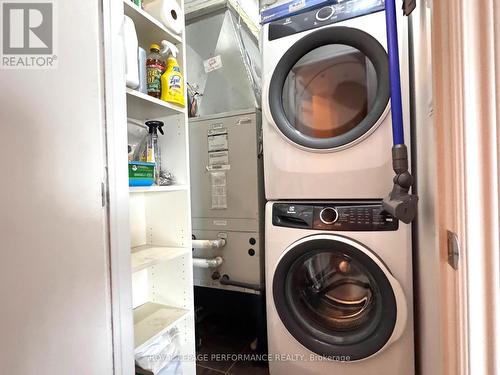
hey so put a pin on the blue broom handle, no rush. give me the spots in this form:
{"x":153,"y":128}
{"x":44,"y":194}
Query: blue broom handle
{"x":394,"y":75}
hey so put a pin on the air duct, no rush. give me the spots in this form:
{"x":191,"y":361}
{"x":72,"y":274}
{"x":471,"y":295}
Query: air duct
{"x":224,"y":57}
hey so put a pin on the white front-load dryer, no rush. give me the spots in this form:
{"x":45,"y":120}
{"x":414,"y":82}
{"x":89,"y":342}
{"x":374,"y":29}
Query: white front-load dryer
{"x":326,"y":112}
{"x":339,"y":289}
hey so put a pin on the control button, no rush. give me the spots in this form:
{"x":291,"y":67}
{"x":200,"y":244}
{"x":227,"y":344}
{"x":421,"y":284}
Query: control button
{"x":328,"y":215}
{"x":325,"y":13}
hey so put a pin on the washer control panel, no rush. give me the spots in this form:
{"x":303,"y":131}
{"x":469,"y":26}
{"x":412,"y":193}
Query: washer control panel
{"x":334,"y":216}
{"x":339,"y":10}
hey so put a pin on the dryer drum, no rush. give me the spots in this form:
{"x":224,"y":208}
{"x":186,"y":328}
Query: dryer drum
{"x":330,"y":88}
{"x":332,"y":309}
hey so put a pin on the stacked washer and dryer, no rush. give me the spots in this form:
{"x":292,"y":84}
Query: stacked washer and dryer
{"x":338,"y":268}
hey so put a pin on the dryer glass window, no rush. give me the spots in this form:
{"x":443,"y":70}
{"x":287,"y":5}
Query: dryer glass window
{"x":329,"y":91}
{"x":334,"y":291}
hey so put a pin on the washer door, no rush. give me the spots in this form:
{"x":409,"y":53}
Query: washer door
{"x":330,"y":88}
{"x":336,"y":298}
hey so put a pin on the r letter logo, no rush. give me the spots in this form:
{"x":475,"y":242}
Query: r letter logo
{"x":28,"y":35}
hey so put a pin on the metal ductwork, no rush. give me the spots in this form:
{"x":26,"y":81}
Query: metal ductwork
{"x":224,"y":57}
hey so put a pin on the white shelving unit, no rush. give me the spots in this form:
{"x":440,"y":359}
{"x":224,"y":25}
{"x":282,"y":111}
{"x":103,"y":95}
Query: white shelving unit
{"x":160,"y":216}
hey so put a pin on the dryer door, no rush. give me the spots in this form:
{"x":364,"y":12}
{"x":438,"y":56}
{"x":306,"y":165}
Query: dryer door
{"x":337,"y":298}
{"x":330,"y":89}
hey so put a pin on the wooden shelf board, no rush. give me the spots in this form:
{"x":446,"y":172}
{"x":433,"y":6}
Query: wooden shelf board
{"x":152,"y":319}
{"x":147,"y":256}
{"x":149,"y":29}
{"x":141,"y":106}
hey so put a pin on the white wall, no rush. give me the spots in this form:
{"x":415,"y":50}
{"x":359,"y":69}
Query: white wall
{"x":428,"y":301}
{"x":54,"y":271}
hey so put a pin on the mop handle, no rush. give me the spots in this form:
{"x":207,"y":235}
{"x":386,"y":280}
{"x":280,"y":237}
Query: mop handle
{"x":394,"y":75}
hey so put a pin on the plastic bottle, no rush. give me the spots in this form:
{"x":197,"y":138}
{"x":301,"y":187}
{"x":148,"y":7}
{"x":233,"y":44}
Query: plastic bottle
{"x":153,"y":154}
{"x":172,"y":81}
{"x":131,"y":53}
{"x":143,"y":75}
{"x":155,"y":66}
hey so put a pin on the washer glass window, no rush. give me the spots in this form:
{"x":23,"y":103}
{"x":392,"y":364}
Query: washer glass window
{"x":329,"y":91}
{"x":334,"y":298}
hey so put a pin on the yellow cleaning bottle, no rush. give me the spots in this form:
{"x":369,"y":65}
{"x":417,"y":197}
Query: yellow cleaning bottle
{"x":172,"y":81}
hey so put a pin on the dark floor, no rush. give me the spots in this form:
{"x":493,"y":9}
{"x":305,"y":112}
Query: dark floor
{"x":225,"y":347}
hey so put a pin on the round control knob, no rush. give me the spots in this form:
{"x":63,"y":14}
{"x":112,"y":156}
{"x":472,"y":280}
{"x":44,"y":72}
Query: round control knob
{"x":328,"y":215}
{"x":325,"y":13}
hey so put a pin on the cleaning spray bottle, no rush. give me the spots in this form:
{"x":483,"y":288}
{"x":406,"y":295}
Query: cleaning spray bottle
{"x":152,"y":150}
{"x":172,"y":81}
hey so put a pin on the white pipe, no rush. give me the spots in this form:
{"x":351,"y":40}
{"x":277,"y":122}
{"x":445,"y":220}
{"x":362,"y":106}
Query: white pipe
{"x":209,"y":244}
{"x":207,"y":262}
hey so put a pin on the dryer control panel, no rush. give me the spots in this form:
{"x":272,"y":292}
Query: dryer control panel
{"x":334,"y":216}
{"x":329,"y":14}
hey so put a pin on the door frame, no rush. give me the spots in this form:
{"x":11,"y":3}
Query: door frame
{"x":466,"y":51}
{"x":117,"y":187}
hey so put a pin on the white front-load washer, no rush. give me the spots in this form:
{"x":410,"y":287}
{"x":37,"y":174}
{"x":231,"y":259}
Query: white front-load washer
{"x":339,"y":289}
{"x":326,"y":113}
